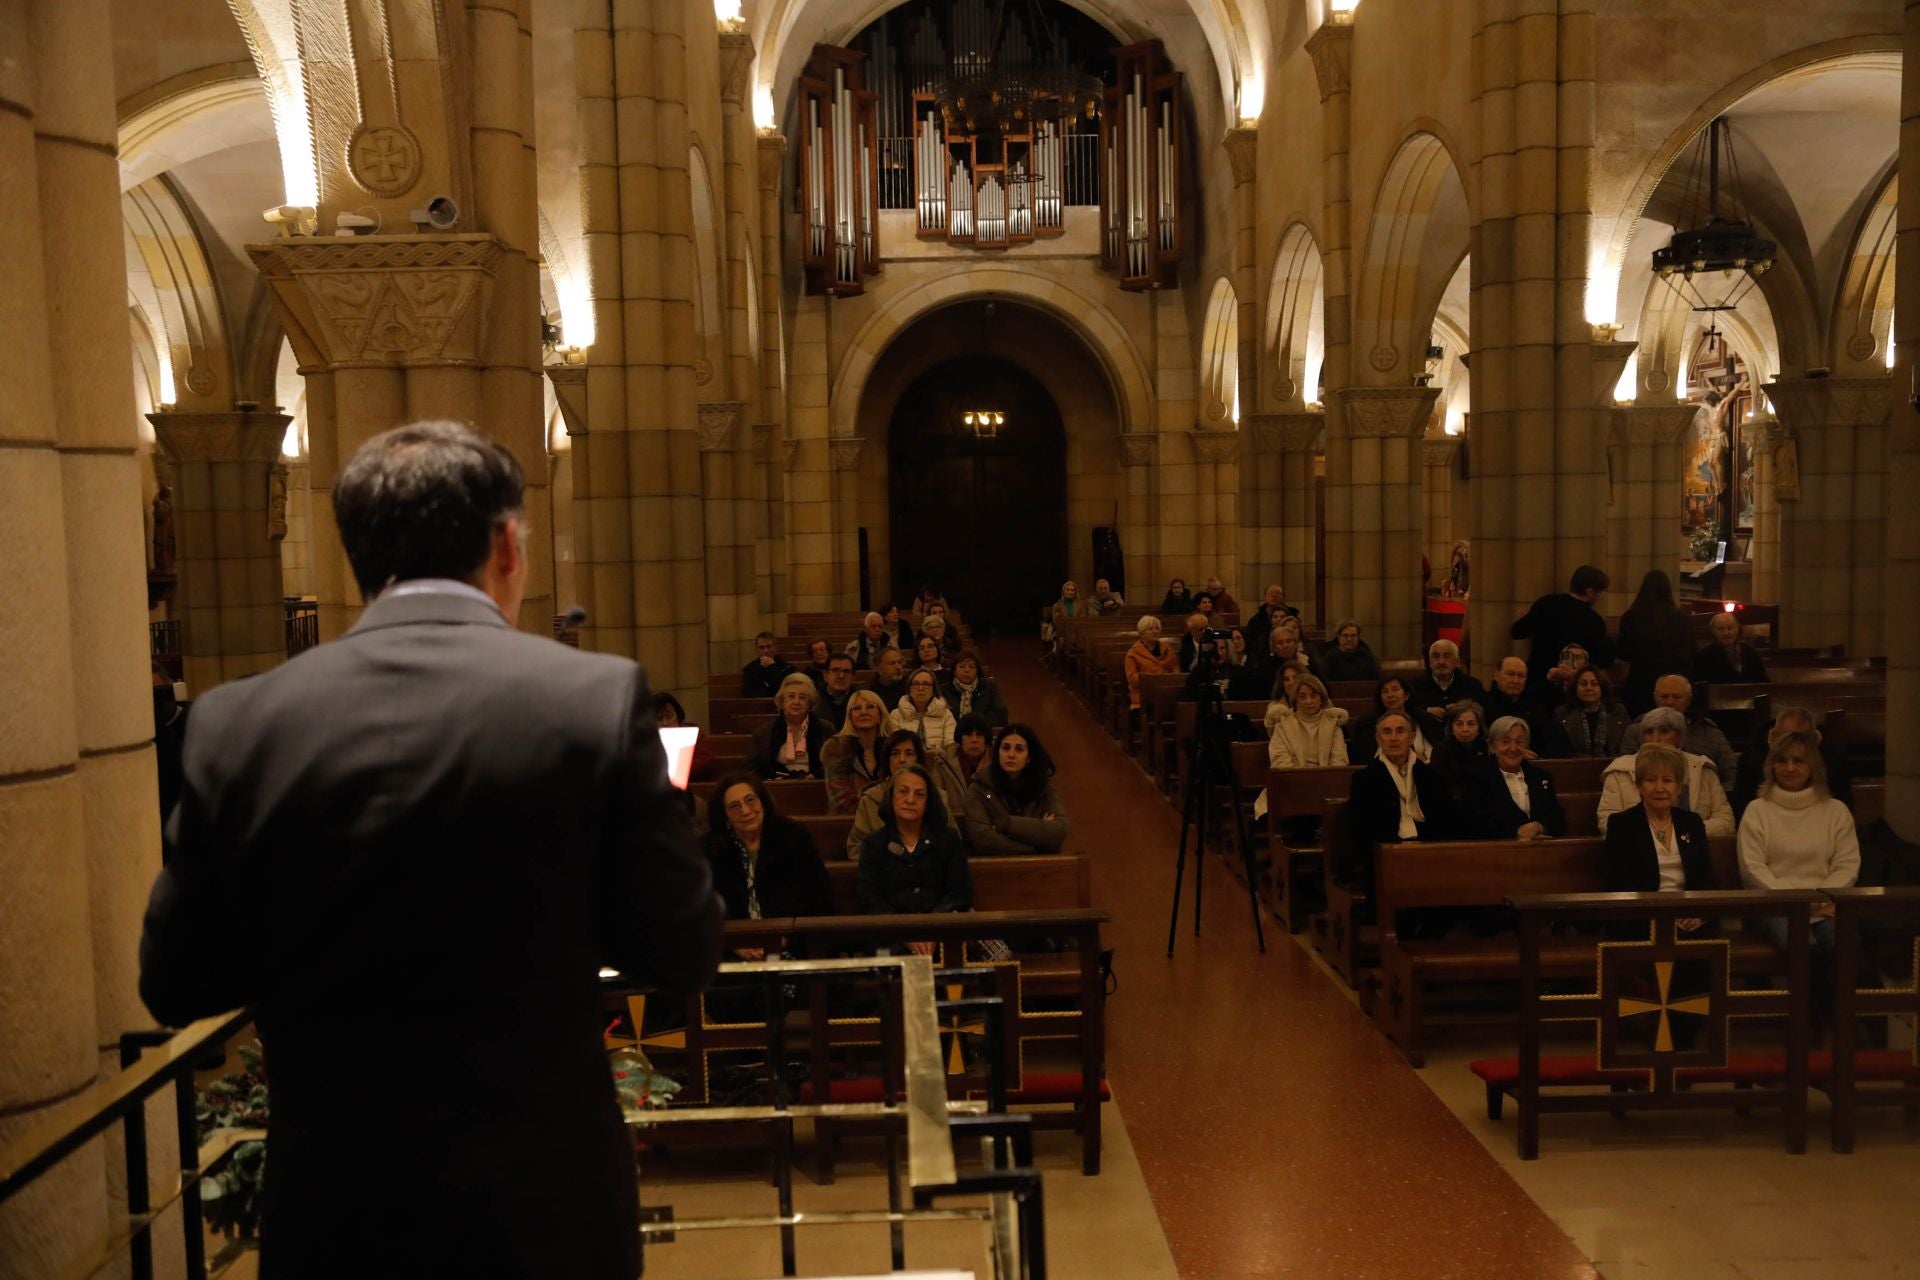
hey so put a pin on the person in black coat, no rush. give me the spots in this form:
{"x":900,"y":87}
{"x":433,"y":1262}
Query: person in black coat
{"x":1443,"y":685}
{"x":1656,"y":846}
{"x":970,"y":691}
{"x":761,"y":678}
{"x":764,"y":866}
{"x":435,"y":815}
{"x":916,"y":862}
{"x":1505,"y":782}
{"x":1178,"y":599}
{"x":1393,"y":798}
{"x":1728,"y":659}
{"x":1348,"y":657}
{"x":1510,"y":696}
{"x":1561,"y":619}
{"x":788,"y":746}
{"x":1656,"y":639}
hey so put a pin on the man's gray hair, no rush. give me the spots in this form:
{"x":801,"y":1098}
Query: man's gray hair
{"x":1440,"y":646}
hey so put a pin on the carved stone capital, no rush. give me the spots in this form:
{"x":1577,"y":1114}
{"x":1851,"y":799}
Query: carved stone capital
{"x":234,"y":436}
{"x":1650,"y":423}
{"x":844,"y":452}
{"x":770,"y":149}
{"x":1386,"y":411}
{"x":719,"y":425}
{"x":1215,"y":446}
{"x":1243,"y":146}
{"x":1284,"y":432}
{"x":1331,"y":48}
{"x":1609,"y":361}
{"x":1440,"y":451}
{"x":1765,"y":432}
{"x":760,"y":440}
{"x":1804,"y":404}
{"x":570,"y":391}
{"x":736,"y":61}
{"x":382,"y":301}
{"x":788,"y":448}
{"x":1137,"y":450}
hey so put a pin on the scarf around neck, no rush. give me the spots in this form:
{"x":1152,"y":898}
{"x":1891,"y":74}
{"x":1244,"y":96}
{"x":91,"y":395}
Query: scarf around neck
{"x":1410,"y":813}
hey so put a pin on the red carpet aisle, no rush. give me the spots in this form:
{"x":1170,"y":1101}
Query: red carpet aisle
{"x":1279,"y":1133}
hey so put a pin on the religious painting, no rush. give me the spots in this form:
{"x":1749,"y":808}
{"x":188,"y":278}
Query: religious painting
{"x":1712,"y":489}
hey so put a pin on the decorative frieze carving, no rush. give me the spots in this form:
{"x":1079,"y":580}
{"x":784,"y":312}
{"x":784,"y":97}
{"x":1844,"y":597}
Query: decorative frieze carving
{"x":736,"y":61}
{"x":233,"y":436}
{"x":845,"y":452}
{"x":1137,"y":450}
{"x":1812,"y":403}
{"x":1215,"y":446}
{"x":1284,"y":432}
{"x":1243,"y":148}
{"x":719,"y":425}
{"x":1650,"y":423}
{"x":1440,"y":451}
{"x":570,"y":390}
{"x":1331,"y":48}
{"x":1387,"y":411}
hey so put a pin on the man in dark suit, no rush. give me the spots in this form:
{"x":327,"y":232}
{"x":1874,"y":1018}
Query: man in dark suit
{"x":421,"y":842}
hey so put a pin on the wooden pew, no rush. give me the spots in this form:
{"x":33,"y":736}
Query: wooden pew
{"x":792,"y":798}
{"x":726,"y":714}
{"x":1159,"y":696}
{"x":1020,"y":882}
{"x":1296,"y":881}
{"x":729,"y":749}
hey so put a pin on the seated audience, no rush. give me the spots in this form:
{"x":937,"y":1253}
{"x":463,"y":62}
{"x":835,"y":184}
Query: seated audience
{"x":1727,"y":659}
{"x":764,"y":865}
{"x":854,"y":758}
{"x":1284,"y":649}
{"x":1657,"y":846}
{"x":761,"y":678}
{"x":922,"y":710}
{"x":1443,"y":685}
{"x":1753,"y":760}
{"x":1460,"y":749}
{"x":1592,"y":722}
{"x":1392,"y":695}
{"x":1700,"y":789}
{"x":1197,"y":624}
{"x":669,"y":714}
{"x":937,"y":630}
{"x":818,"y":651}
{"x":1150,"y":655}
{"x":1573,"y":660}
{"x":1203,"y":605}
{"x":1011,"y":804}
{"x":835,"y":688}
{"x":1795,"y":835}
{"x":953,"y":768}
{"x":890,"y":676}
{"x":969,"y":691}
{"x":899,"y":750}
{"x":926,"y":655}
{"x":1235,"y":683}
{"x":1395,"y":797}
{"x":1178,"y":599}
{"x":1509,"y":697}
{"x":1069,"y":605}
{"x":1509,"y":797}
{"x":1703,"y":735}
{"x":915,"y":863}
{"x":928,"y":600}
{"x":870,"y":643}
{"x":898,"y":631}
{"x":1272,"y":608}
{"x":1223,"y":601}
{"x":788,"y":746}
{"x":1105,"y":602}
{"x":1307,"y":733}
{"x":1348,"y":658}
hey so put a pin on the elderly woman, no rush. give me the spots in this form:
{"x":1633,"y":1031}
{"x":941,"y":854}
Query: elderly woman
{"x":968,"y":691}
{"x":855,"y":757}
{"x":764,"y":866}
{"x":1657,"y":845}
{"x":924,"y":711}
{"x":1348,"y":658}
{"x":1395,"y":797}
{"x":1727,"y":659}
{"x":1795,"y":835}
{"x":1150,"y":656}
{"x":1391,"y":696}
{"x":899,"y":750}
{"x":1460,"y":749}
{"x":915,"y":862}
{"x":1592,"y":721}
{"x":1509,"y":796}
{"x":1700,"y":789}
{"x":942,"y":634}
{"x":1284,"y":649}
{"x":1308,"y":732}
{"x":1011,"y":804}
{"x":789,"y":745}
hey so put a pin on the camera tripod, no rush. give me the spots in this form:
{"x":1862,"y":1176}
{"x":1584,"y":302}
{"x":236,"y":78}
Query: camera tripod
{"x":1212,"y":765}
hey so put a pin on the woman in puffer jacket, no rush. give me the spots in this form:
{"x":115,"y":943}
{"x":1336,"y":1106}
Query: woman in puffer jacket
{"x":1309,"y":733}
{"x":922,"y":710}
{"x":1011,"y":804}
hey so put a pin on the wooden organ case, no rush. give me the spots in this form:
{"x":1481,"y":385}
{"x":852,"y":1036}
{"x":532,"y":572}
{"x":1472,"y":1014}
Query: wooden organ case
{"x":839,"y":172}
{"x":1140,"y":163}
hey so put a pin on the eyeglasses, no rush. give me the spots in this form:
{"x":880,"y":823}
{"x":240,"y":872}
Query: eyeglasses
{"x":746,"y":804}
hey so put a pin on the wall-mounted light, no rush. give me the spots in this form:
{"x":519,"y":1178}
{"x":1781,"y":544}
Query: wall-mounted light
{"x":727,"y":13}
{"x":1341,"y":11}
{"x":983,"y":422}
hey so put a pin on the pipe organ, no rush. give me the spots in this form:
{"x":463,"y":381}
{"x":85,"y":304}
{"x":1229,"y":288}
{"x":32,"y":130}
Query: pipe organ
{"x":839,"y":172}
{"x":1140,"y":235}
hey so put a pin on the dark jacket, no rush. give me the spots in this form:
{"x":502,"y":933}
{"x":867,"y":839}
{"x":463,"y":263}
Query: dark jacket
{"x":993,"y":823}
{"x":757,"y":681}
{"x":1653,"y":642}
{"x":1425,"y":692}
{"x":1491,"y":812}
{"x":1632,"y":865}
{"x":788,"y":876}
{"x":1264,"y":620}
{"x":435,"y":815}
{"x":1457,"y":763}
{"x":934,"y":877}
{"x":1358,"y":665}
{"x":763,"y":749}
{"x":1543,"y":729}
{"x":892,"y":691}
{"x":1554,"y":622}
{"x":1711,"y":665}
{"x":832,"y":711}
{"x":1600,"y":739}
{"x":1182,"y":603}
{"x":1247,"y":682}
{"x":988,"y":702}
{"x":1373,"y":815}
{"x":865,"y":652}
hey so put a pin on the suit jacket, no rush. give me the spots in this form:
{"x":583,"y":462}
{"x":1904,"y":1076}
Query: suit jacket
{"x":1632,"y":864}
{"x":1711,"y":665}
{"x":757,"y":681}
{"x":1492,"y":814}
{"x":788,"y":876}
{"x":433,"y":830}
{"x":1373,"y":814}
{"x":1425,"y":692}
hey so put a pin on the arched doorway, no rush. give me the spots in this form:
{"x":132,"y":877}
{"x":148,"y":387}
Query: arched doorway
{"x":979,"y":511}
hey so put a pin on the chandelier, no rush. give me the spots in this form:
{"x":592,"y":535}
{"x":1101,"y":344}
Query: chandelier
{"x":1714,"y":262}
{"x":1012,"y":77}
{"x":985,"y":423}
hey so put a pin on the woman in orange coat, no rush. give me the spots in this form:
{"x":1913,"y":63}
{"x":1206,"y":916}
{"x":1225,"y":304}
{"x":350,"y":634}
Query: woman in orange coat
{"x":1150,"y":655}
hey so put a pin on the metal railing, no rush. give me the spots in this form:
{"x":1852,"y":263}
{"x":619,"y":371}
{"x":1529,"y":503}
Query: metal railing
{"x":121,"y":1100}
{"x":303,"y":625}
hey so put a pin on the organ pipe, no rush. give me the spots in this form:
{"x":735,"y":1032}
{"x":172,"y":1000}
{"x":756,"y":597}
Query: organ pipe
{"x":840,"y":171}
{"x":1141,"y":190}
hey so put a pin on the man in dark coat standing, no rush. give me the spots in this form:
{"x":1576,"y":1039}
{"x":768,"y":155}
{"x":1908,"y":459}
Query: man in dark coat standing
{"x":422,"y":841}
{"x":1558,"y":620}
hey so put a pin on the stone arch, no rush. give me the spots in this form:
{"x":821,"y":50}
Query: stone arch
{"x":1220,"y":357}
{"x":210,"y":110}
{"x":1862,"y":326}
{"x":1296,"y":319}
{"x":1081,"y":314}
{"x":177,"y":282}
{"x":709,"y":313}
{"x":1416,"y":238}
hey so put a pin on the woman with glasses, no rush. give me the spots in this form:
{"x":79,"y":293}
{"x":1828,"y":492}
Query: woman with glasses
{"x":764,"y":865}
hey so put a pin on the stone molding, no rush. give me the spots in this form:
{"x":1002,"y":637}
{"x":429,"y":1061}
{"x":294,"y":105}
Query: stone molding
{"x":383,"y":301}
{"x":1386,"y":412}
{"x":771,"y":151}
{"x":570,"y":391}
{"x":1766,"y":431}
{"x":1243,"y":151}
{"x":1137,"y":450}
{"x":1440,"y":451}
{"x":788,"y":448}
{"x":760,"y":440}
{"x":1285,"y":432}
{"x":736,"y":61}
{"x":1650,"y":423}
{"x":1215,"y":446}
{"x":1813,"y":403}
{"x":233,"y":436}
{"x":1331,"y":48}
{"x":1609,"y":362}
{"x":844,"y":452}
{"x":718,"y":425}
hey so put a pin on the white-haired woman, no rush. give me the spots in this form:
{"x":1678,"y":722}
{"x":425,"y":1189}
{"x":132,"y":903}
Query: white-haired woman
{"x":1151,"y":655}
{"x":789,"y":745}
{"x":1508,"y":796}
{"x":1700,"y":789}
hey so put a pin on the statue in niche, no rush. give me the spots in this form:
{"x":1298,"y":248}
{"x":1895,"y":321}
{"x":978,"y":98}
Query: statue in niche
{"x":1786,"y":470}
{"x":1459,"y":572}
{"x":277,"y":503}
{"x":163,"y":540}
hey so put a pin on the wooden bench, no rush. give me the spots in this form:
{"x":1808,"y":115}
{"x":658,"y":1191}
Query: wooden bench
{"x":1295,"y":885}
{"x":1015,"y":882}
{"x":792,"y":798}
{"x":729,"y":749}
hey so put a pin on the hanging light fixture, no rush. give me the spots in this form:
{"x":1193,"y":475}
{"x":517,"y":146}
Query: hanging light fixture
{"x":985,"y":423}
{"x":1714,"y":260}
{"x":1022,"y":77}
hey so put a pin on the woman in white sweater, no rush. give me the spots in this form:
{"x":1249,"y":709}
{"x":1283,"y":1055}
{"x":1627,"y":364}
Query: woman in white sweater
{"x":1795,"y":835}
{"x":924,"y":712}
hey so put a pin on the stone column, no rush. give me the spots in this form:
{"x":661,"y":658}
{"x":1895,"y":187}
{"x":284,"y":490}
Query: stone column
{"x":1643,"y":510}
{"x":1833,"y":537}
{"x":843,"y":457}
{"x":1139,"y":511}
{"x":1767,"y":439}
{"x":732,"y":612}
{"x":769,"y":433}
{"x":1243,"y":154}
{"x":1374,"y":511}
{"x":1331,"y":48}
{"x":813,"y":569}
{"x":1440,"y":464}
{"x":1280,"y":521}
{"x":79,"y":832}
{"x":229,"y":598}
{"x":1903,"y":456}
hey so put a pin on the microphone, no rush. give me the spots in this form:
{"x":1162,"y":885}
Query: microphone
{"x":573,"y":619}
